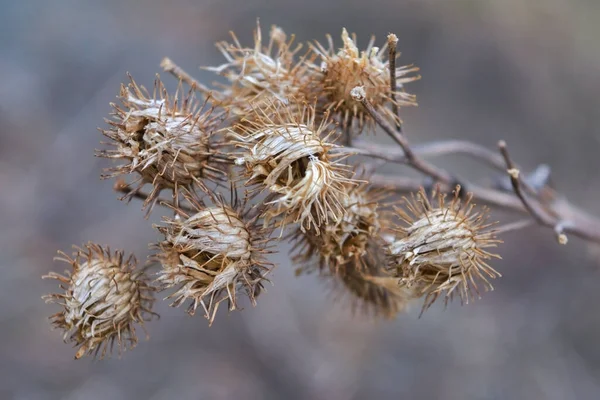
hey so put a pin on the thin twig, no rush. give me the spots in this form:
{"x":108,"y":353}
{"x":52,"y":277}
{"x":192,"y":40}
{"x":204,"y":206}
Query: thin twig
{"x":515,"y":179}
{"x":433,"y":149}
{"x":484,"y":195}
{"x":169,"y":66}
{"x":121,"y":186}
{"x":417,"y":163}
{"x":392,"y":41}
{"x":513,"y":226}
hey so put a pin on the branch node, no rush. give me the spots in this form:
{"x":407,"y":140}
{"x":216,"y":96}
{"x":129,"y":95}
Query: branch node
{"x":514,"y":173}
{"x":358,"y":93}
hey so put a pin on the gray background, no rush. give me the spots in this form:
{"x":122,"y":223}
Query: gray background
{"x":527,"y":72}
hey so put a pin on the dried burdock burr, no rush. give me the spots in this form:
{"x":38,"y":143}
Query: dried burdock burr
{"x":350,"y":255}
{"x":441,"y":248}
{"x":212,"y":255}
{"x":339,"y":71}
{"x":166,"y":140}
{"x":261,"y":73}
{"x":289,"y":156}
{"x":339,"y":242}
{"x":104,"y":297}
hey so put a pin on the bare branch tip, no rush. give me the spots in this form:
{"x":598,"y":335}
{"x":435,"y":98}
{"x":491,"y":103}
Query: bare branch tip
{"x":392,"y":39}
{"x":562,"y":239}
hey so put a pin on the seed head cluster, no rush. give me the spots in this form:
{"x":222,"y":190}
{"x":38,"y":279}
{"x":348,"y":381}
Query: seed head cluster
{"x":269,"y":150}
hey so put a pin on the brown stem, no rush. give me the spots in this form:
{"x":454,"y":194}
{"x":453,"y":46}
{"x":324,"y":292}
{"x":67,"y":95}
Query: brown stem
{"x":121,"y":186}
{"x":515,"y":179}
{"x":392,"y":42}
{"x":412,"y":159}
{"x":169,"y":66}
{"x":437,"y":148}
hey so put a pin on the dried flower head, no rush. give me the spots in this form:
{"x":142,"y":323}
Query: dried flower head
{"x":338,"y":243}
{"x":341,"y":71}
{"x":261,"y":73}
{"x":211,"y":255}
{"x":284,"y":153}
{"x":442,"y":247}
{"x":104,"y":297}
{"x":167,"y":140}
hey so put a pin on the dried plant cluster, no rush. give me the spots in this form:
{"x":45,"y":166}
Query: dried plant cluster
{"x":274,"y":153}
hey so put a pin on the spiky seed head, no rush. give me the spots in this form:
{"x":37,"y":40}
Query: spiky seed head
{"x":441,"y":247}
{"x":104,"y":297}
{"x":337,"y":243}
{"x":166,"y":140}
{"x":340,"y":71}
{"x":212,"y":256}
{"x":261,"y":73}
{"x":288,"y":155}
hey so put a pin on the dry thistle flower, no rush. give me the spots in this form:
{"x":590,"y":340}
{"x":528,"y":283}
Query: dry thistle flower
{"x":285,"y":154}
{"x":338,"y":243}
{"x":341,"y":71}
{"x":261,"y":73}
{"x":104,"y":297}
{"x":442,"y":247}
{"x":349,"y":253}
{"x":211,"y":256}
{"x":167,"y":140}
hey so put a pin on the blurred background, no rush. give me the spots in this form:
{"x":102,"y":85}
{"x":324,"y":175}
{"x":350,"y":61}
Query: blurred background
{"x":527,"y":72}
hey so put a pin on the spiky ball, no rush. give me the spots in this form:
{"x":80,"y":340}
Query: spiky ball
{"x":211,"y":256}
{"x":167,"y":141}
{"x":441,"y":247}
{"x":342,"y":70}
{"x":337,"y":243}
{"x":104,"y":297}
{"x":286,"y":155}
{"x":261,"y":73}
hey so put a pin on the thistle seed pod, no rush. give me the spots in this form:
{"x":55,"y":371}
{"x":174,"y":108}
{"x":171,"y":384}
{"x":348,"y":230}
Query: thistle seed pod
{"x":211,"y":256}
{"x":261,"y":73}
{"x":341,"y":71}
{"x":442,"y":248}
{"x":167,"y":140}
{"x":283,"y":153}
{"x":338,"y":243}
{"x":104,"y":297}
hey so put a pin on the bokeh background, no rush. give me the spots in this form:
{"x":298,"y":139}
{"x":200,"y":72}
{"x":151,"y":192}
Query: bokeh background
{"x":524,"y":71}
